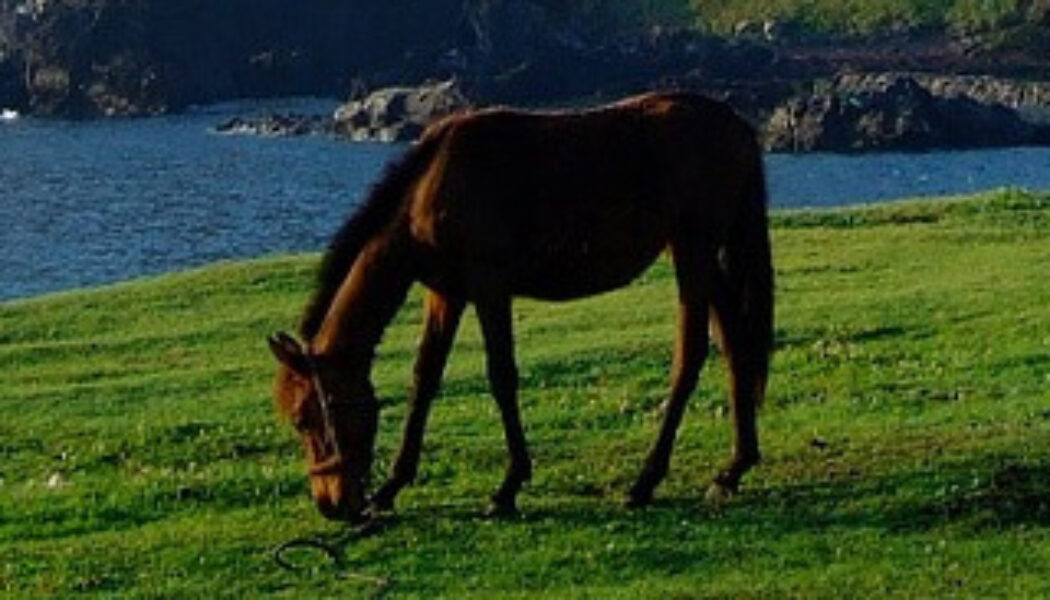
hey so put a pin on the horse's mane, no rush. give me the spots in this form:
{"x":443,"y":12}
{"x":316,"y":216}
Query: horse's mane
{"x":379,"y":207}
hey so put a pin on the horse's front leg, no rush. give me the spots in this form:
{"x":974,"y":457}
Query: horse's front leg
{"x":497,"y":330}
{"x":441,"y":319}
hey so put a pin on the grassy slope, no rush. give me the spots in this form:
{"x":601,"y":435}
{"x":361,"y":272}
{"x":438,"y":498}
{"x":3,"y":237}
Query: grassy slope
{"x":907,"y":434}
{"x":849,"y":17}
{"x":864,"y":16}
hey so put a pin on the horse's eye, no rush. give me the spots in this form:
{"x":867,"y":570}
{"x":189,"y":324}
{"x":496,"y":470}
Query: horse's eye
{"x":300,"y":422}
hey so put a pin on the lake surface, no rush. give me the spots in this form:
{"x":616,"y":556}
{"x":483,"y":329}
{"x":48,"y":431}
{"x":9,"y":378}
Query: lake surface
{"x":89,"y":203}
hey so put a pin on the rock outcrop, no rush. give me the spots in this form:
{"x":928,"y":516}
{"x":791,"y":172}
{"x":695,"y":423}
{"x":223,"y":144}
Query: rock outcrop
{"x":892,"y":112}
{"x":277,"y":125}
{"x":1031,"y":99}
{"x":398,"y":114}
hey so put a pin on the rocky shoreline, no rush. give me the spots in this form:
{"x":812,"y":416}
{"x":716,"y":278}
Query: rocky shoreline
{"x":395,"y":114}
{"x":848,"y":113}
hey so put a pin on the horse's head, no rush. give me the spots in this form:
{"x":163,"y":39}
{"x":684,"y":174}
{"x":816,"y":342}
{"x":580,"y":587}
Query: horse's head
{"x":336,"y":420}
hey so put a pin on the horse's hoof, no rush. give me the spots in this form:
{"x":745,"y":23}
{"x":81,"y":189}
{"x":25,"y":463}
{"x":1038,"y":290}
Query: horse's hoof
{"x":502,"y":510}
{"x":718,"y":493}
{"x":380,"y":503}
{"x":375,"y":511}
{"x":638,"y":500}
{"x":639,"y":496}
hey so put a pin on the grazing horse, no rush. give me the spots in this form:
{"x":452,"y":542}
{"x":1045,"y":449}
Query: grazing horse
{"x":497,"y":204}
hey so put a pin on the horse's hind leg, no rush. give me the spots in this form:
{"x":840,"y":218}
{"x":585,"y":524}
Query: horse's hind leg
{"x":497,"y":330}
{"x":691,"y":267}
{"x":748,"y":364}
{"x":442,"y":316}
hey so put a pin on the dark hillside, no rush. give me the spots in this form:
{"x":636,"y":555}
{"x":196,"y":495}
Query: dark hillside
{"x":84,"y":58}
{"x":105,"y":57}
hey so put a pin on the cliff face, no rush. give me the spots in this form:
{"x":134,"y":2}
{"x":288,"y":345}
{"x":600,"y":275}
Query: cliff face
{"x":115,"y":57}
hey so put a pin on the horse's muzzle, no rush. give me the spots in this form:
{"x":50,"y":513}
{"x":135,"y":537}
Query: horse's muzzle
{"x":336,"y":511}
{"x":339,"y":497}
{"x":342,"y":512}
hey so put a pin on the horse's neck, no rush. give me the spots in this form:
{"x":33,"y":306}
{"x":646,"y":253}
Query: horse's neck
{"x":364,"y":306}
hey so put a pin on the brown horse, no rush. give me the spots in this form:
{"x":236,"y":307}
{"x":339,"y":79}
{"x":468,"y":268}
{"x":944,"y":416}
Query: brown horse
{"x":497,"y":204}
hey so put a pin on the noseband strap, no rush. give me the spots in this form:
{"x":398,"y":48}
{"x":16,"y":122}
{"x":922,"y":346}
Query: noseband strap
{"x":324,"y":400}
{"x":328,"y":466}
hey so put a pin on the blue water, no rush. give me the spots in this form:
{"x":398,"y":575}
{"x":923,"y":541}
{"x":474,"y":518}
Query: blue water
{"x":821,"y":180}
{"x":89,"y":203}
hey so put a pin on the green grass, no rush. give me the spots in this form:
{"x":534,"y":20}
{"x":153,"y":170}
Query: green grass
{"x":860,"y":17}
{"x":906,"y":435}
{"x":837,"y":17}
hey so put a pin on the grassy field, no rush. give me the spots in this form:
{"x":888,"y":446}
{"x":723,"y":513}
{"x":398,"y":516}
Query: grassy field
{"x":906,"y":436}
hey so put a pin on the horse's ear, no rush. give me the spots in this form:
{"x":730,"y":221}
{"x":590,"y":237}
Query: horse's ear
{"x":289,"y":352}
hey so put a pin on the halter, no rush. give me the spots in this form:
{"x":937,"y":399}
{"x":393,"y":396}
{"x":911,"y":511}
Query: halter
{"x":327,"y":403}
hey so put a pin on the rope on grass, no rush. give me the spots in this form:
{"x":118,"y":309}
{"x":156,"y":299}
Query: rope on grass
{"x":332,"y":546}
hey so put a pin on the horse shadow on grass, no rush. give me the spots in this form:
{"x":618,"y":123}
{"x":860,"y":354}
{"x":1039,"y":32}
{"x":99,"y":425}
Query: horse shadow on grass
{"x":998,"y":493}
{"x":682,"y":533}
{"x":972,"y":496}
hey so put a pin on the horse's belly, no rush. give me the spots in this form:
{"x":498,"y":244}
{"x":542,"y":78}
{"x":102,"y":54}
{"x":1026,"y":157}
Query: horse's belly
{"x":584,"y":267}
{"x":557,"y":248}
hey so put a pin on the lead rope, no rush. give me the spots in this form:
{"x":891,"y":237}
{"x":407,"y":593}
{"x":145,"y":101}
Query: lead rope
{"x":333,"y":546}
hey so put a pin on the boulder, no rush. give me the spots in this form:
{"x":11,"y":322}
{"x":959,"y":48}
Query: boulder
{"x":397,"y":114}
{"x":854,"y":114}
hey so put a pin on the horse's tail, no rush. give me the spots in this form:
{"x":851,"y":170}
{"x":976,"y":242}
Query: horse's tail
{"x":747,"y":271}
{"x":377,"y":211}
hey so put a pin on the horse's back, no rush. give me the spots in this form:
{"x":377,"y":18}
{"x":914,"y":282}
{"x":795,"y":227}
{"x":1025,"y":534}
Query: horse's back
{"x":562,"y":205}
